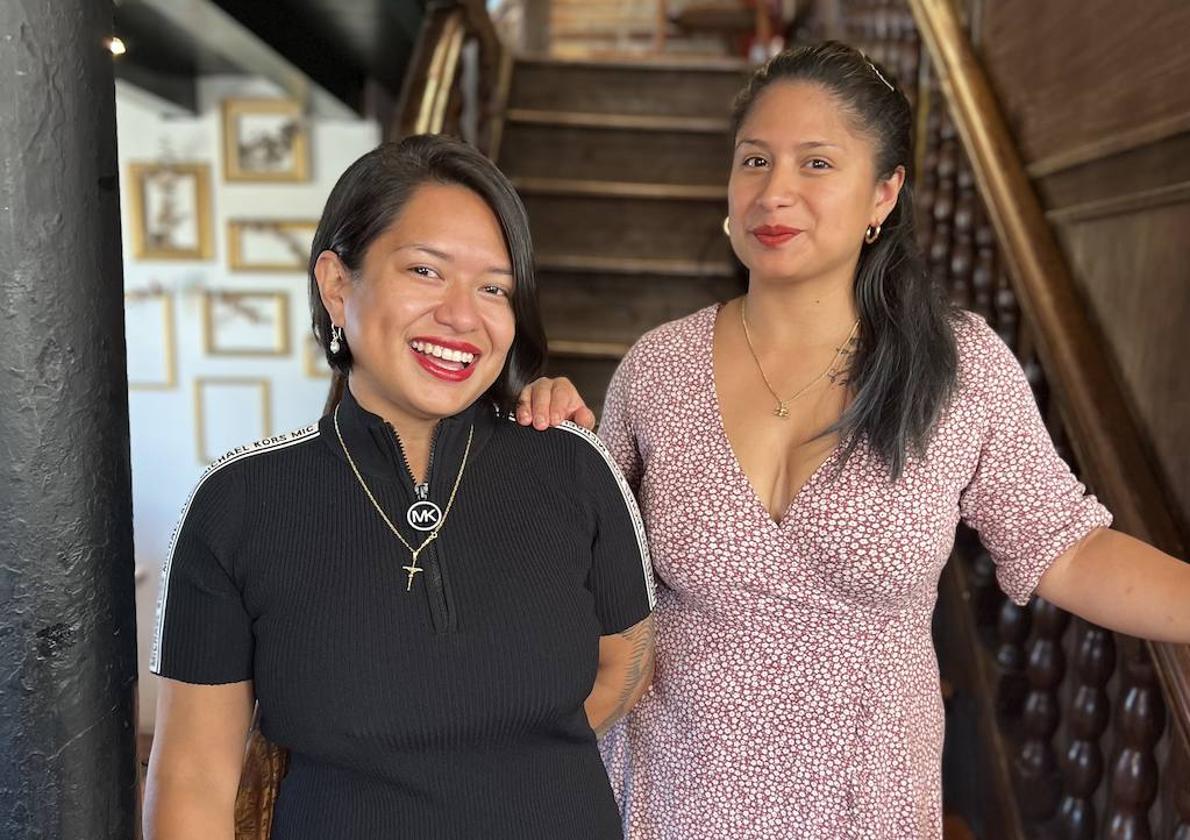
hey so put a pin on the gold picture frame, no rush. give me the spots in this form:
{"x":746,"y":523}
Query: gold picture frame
{"x":269,"y":244}
{"x":237,"y":408}
{"x":265,"y":140}
{"x":253,"y":323}
{"x":142,"y":336}
{"x":170,"y":209}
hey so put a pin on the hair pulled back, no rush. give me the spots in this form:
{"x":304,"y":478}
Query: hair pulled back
{"x":904,"y":370}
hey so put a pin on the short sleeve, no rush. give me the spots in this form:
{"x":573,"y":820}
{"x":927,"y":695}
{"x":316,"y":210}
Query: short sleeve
{"x":203,"y":632}
{"x":1023,"y":499}
{"x":615,"y":426}
{"x":621,"y":577}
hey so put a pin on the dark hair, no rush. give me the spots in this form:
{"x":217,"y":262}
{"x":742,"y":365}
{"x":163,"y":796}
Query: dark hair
{"x":905,"y":367}
{"x":367,"y":199}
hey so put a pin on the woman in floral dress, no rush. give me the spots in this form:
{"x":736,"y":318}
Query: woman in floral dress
{"x":802,"y":456}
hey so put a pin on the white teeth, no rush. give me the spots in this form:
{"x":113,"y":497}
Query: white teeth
{"x":440,"y":352}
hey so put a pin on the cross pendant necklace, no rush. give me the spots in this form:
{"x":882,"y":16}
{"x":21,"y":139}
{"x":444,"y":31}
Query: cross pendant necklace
{"x":782,"y":409}
{"x":413,"y":568}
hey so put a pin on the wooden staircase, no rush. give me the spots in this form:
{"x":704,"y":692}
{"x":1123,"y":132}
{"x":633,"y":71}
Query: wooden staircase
{"x":602,"y":27}
{"x":622,"y":166}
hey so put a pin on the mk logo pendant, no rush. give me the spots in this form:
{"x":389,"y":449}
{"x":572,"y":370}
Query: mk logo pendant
{"x":424,"y":516}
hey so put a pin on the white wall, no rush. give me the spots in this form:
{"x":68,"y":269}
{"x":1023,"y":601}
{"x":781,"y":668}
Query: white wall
{"x":165,"y":464}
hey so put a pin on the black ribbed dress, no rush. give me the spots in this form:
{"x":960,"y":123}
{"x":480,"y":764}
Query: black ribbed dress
{"x":455,"y":709}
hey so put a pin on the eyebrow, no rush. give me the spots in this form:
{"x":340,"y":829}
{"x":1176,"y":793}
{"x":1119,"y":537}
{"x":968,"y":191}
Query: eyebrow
{"x":807,"y":144}
{"x":445,"y":257}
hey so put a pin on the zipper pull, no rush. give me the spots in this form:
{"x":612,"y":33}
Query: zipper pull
{"x":422,"y":491}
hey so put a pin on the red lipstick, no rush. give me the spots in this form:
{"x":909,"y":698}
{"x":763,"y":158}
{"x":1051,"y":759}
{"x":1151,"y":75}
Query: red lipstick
{"x":433,"y":366}
{"x":774,"y":236}
{"x":463,"y":346}
{"x":448,"y":374}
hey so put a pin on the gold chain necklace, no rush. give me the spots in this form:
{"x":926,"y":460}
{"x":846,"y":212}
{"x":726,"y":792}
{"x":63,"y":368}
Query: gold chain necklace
{"x":412,"y":568}
{"x":782,"y":409}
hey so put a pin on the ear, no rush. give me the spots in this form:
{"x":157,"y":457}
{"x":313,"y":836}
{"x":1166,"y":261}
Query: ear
{"x":887,"y":190}
{"x":334,"y":285}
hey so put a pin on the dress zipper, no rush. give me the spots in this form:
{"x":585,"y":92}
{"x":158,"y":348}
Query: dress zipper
{"x":435,"y":583}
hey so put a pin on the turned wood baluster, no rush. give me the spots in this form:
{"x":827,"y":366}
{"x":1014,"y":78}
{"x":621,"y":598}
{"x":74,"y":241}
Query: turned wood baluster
{"x":962,"y":250}
{"x":1008,"y":312}
{"x":1012,"y":629}
{"x":1039,"y":784}
{"x":986,"y":596}
{"x":927,"y":180}
{"x":1139,"y":724}
{"x":1090,"y":711}
{"x":1178,"y":780}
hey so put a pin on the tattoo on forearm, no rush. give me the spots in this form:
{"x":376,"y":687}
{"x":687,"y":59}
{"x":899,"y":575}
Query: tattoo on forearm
{"x":640,"y":670}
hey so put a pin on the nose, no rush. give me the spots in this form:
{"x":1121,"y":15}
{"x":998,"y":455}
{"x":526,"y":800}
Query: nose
{"x":457,"y":309}
{"x":780,"y":189}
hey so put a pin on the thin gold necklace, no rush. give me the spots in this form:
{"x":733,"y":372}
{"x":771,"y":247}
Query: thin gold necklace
{"x":412,"y":568}
{"x":782,"y":409}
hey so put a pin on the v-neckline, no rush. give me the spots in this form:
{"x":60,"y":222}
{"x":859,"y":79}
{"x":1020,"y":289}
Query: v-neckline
{"x":721,"y":434}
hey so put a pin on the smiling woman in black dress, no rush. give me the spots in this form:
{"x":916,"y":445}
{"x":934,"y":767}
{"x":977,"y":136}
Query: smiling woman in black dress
{"x":435,"y":608}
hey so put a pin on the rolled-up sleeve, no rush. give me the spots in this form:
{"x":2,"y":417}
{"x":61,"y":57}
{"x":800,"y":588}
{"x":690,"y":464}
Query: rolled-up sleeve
{"x":1023,"y":499}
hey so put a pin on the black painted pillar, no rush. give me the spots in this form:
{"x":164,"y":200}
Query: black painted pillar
{"x":67,"y":618}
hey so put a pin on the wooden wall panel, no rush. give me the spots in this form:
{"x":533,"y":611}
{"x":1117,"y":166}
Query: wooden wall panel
{"x":1134,"y":269}
{"x":1079,"y":79}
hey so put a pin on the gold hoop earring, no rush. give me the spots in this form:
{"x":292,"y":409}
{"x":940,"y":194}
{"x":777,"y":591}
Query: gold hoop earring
{"x":727,"y":226}
{"x":872,"y":234}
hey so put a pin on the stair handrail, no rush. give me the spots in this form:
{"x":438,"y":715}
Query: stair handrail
{"x":1102,"y":432}
{"x":434,"y":69}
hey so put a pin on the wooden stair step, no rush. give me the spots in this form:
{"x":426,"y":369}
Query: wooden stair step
{"x":619,"y":189}
{"x":689,"y":88}
{"x":536,"y":151}
{"x":590,"y":375}
{"x":663,"y":61}
{"x":618,"y":122}
{"x":628,"y":226}
{"x":617,"y":309}
{"x":589,"y":349}
{"x":634,"y":266}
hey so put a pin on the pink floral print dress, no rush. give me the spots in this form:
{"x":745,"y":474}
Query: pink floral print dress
{"x":796,"y":691}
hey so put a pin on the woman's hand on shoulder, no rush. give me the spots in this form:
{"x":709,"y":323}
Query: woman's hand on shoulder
{"x":547,"y":402}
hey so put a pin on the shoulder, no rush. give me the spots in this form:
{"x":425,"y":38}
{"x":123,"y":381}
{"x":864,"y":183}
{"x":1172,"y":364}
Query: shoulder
{"x":667,"y":349}
{"x":561,"y":448}
{"x":677,"y":336}
{"x":254,"y":461}
{"x":984,"y":360}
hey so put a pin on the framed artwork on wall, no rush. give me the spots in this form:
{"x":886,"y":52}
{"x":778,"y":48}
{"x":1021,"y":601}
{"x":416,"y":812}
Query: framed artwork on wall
{"x":230,"y":412}
{"x":239,"y":323}
{"x":265,"y":140}
{"x":149,"y":336}
{"x":170,"y":209}
{"x":269,"y":244}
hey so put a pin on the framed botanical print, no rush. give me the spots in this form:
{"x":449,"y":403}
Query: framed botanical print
{"x":269,"y":244}
{"x":239,"y":323}
{"x":265,"y":140}
{"x":170,"y":209}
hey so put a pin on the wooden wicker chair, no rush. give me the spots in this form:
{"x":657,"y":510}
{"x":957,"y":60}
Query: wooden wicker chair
{"x":265,"y":764}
